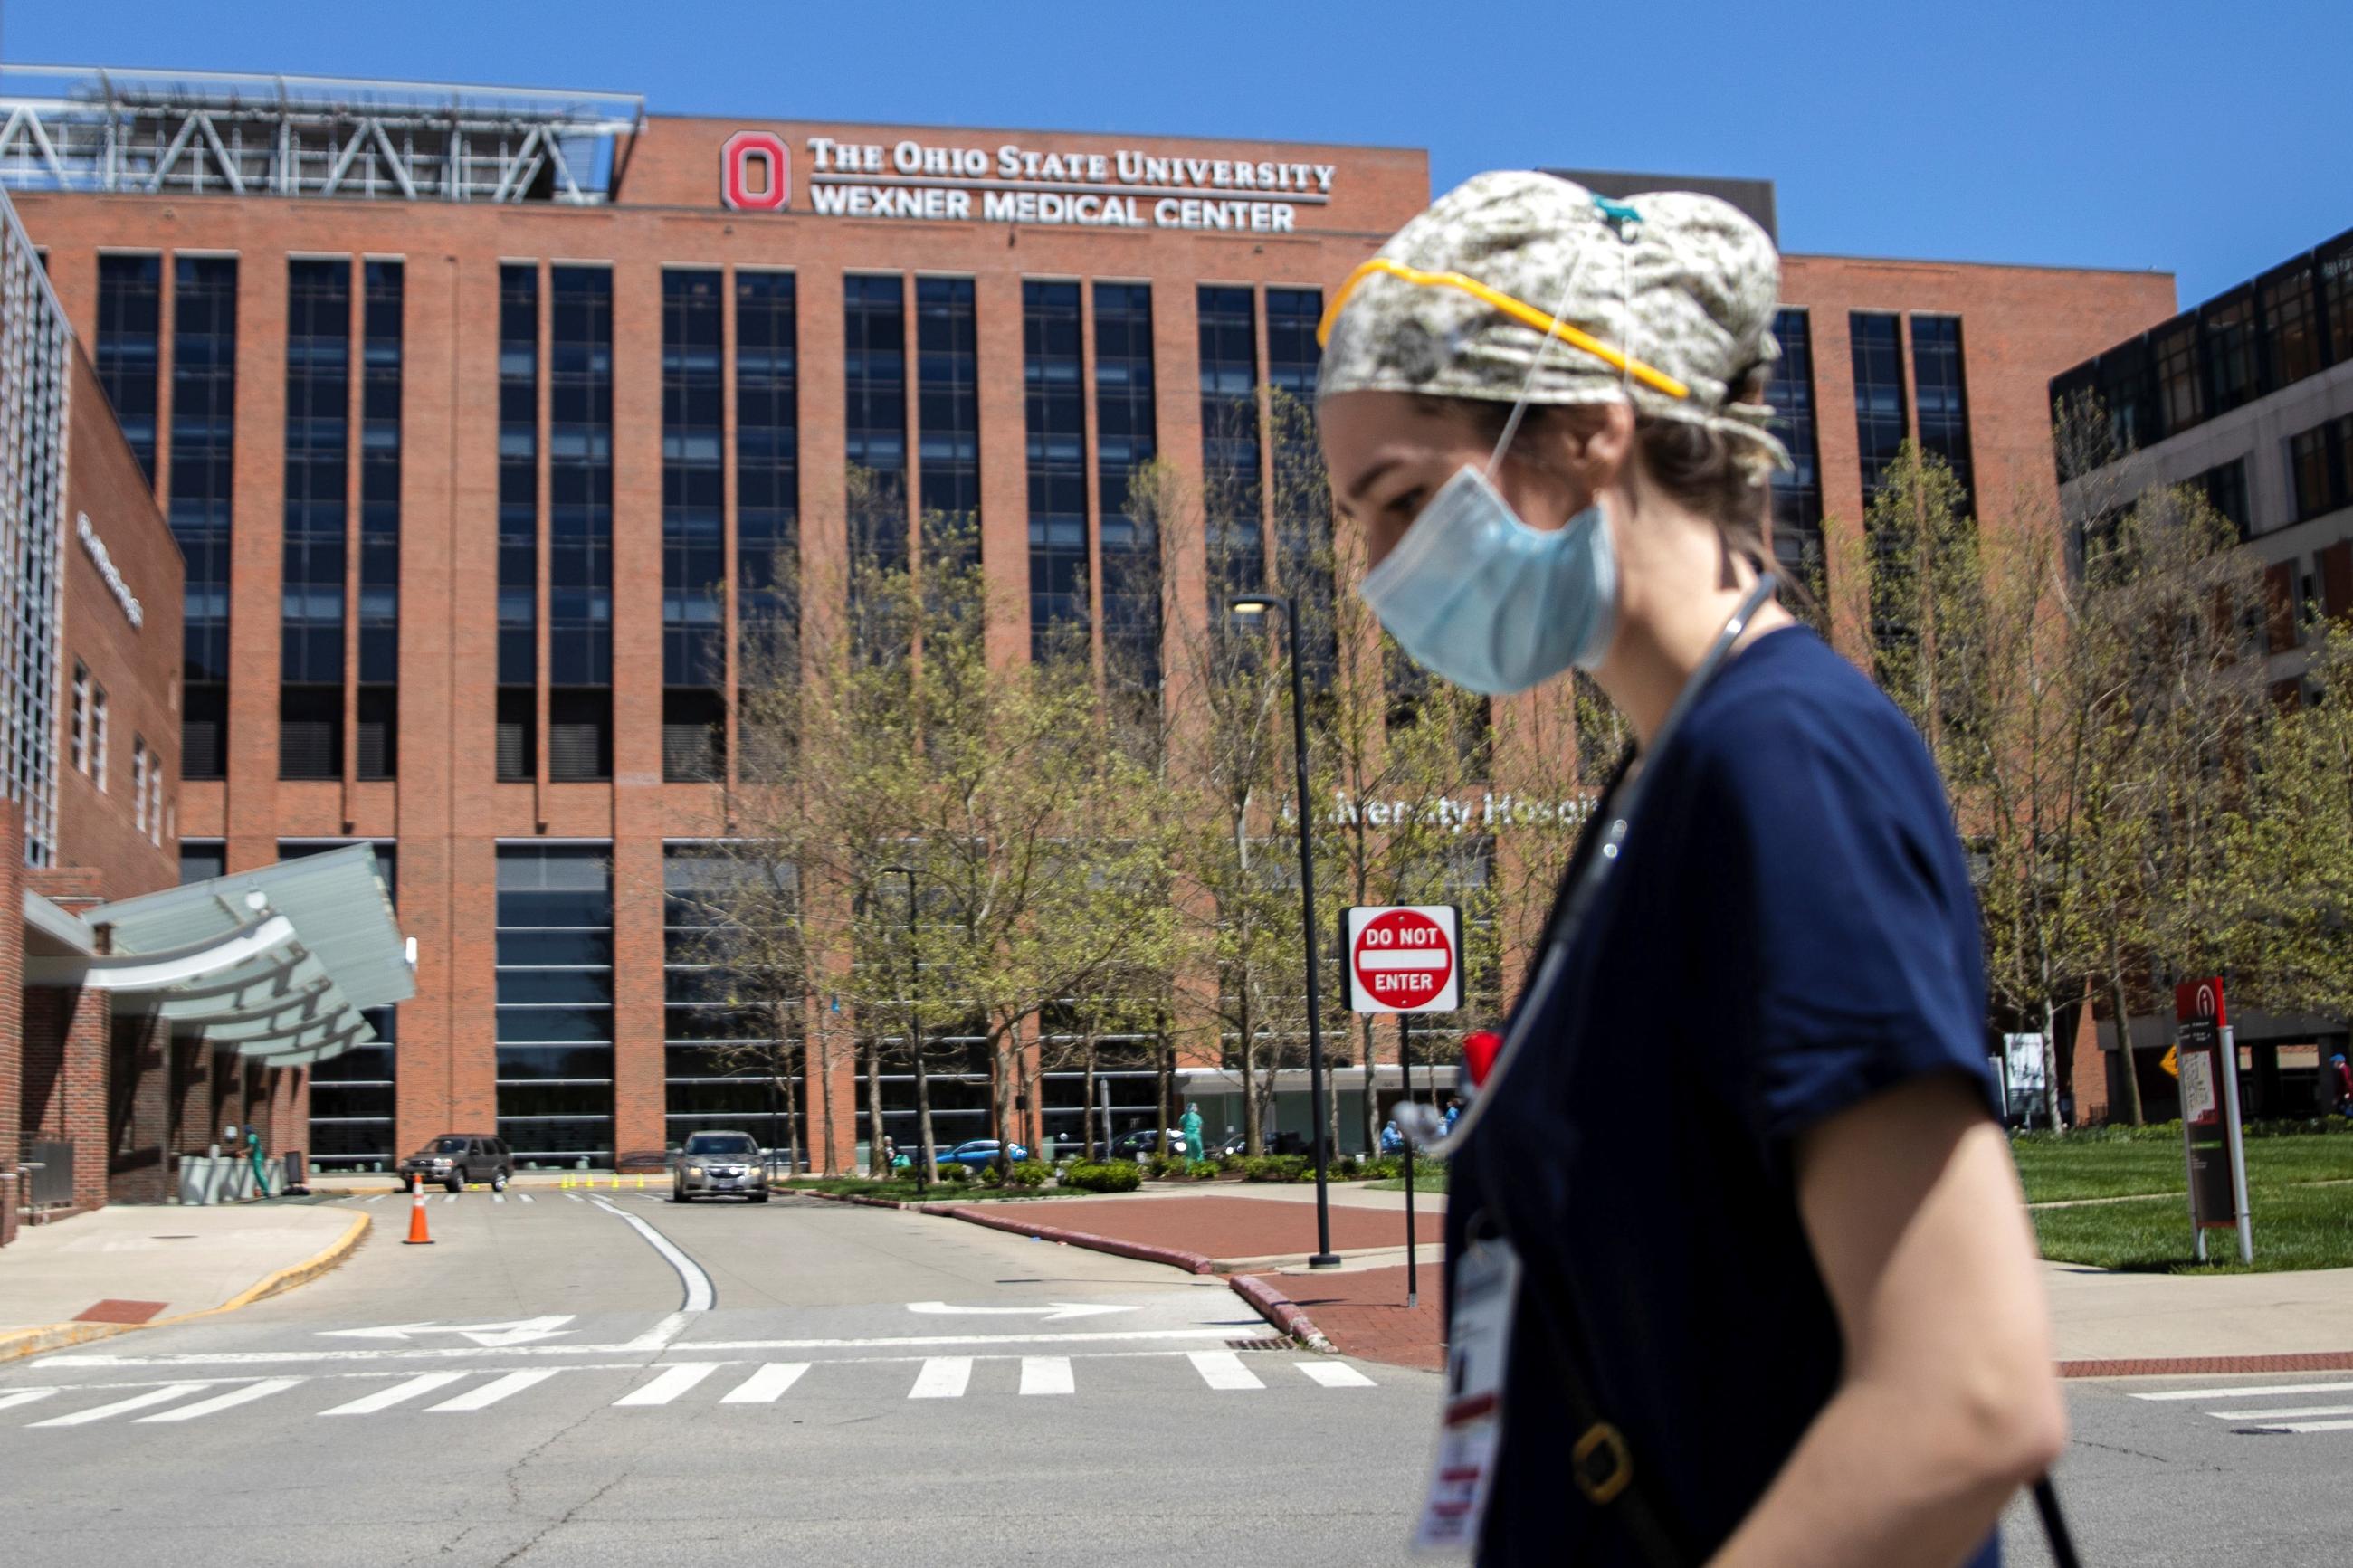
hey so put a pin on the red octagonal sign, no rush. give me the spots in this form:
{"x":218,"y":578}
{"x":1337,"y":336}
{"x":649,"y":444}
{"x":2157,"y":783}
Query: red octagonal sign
{"x":1404,"y":958}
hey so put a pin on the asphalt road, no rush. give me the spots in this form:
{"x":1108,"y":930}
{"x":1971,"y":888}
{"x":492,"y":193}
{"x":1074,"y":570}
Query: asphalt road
{"x":646,"y":1383}
{"x":610,"y":1379}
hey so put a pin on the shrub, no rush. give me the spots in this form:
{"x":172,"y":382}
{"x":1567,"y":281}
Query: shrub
{"x":1279,"y":1168}
{"x":1107,"y":1176}
{"x":1391,"y":1167}
{"x":1030,"y":1173}
{"x":991,"y":1176}
{"x":956,"y":1172}
{"x":1232,"y":1163}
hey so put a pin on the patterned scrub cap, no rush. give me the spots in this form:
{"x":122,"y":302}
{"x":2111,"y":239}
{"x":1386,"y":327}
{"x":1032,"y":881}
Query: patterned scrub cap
{"x":1680,"y":281}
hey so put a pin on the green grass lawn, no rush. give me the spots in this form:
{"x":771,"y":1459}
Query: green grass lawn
{"x":2297,"y":1225}
{"x":1430,"y":1178}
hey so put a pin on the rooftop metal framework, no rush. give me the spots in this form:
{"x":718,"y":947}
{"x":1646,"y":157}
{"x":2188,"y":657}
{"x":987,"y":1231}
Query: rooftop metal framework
{"x":86,"y":128}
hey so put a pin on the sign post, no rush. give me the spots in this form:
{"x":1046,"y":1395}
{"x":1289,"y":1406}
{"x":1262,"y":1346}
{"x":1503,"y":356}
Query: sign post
{"x":2212,"y":1142}
{"x":1405,"y":958}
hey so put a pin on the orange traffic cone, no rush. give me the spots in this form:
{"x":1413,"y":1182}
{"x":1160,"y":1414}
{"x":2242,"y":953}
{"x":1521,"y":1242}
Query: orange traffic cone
{"x":416,"y":1235}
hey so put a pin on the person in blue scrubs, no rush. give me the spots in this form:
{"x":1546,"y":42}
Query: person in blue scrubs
{"x":1750,"y":1163}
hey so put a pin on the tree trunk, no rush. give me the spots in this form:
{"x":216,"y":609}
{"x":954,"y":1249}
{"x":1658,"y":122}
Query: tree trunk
{"x":1253,"y":1141}
{"x":1163,"y":1061}
{"x":2124,"y":1033}
{"x":876,"y":1166}
{"x":1372,"y":1097}
{"x":926,"y":1145}
{"x":2054,"y":1084}
{"x":825,"y":1095}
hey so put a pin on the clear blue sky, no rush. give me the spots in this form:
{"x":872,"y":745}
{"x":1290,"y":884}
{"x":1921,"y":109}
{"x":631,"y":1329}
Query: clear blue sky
{"x":2183,"y":135}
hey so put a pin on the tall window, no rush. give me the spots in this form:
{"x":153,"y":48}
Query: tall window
{"x":130,"y":333}
{"x":318,"y":470}
{"x":580,"y":524}
{"x":553,"y":1019}
{"x":2336,"y":299}
{"x":139,"y":782}
{"x":1303,"y":521}
{"x":2229,"y":327}
{"x":1054,"y":404}
{"x":2181,"y":391}
{"x":78,"y":743}
{"x":1942,"y":391}
{"x":875,"y":413}
{"x":948,"y":382}
{"x":377,"y":753}
{"x":203,"y":444}
{"x":1797,"y":494}
{"x":1230,"y":477}
{"x":352,"y":1095}
{"x":694,"y":544}
{"x":2290,"y":334}
{"x":2320,"y":468}
{"x":767,"y":455}
{"x":98,"y":736}
{"x":1879,"y":418}
{"x":1126,"y":439}
{"x":720,"y":1049}
{"x":518,"y":700}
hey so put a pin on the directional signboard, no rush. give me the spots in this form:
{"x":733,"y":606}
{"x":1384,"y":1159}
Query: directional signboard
{"x":2207,"y":1062}
{"x":1405,"y":958}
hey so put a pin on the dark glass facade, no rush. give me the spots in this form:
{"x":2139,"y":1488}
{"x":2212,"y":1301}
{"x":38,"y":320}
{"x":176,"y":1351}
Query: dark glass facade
{"x":317,"y":476}
{"x":518,"y":699}
{"x":580,"y":523}
{"x":553,"y":1018}
{"x":353,"y":1095}
{"x":1940,"y":390}
{"x":695,"y":546}
{"x":204,"y":449}
{"x":1303,"y":520}
{"x":1126,"y":414}
{"x":1880,"y":423}
{"x":1797,"y":493}
{"x":947,"y":362}
{"x":1055,"y":415}
{"x":874,"y":415}
{"x":719,"y":1058}
{"x":2320,"y":468}
{"x":130,"y":340}
{"x":376,"y":753}
{"x":1231,"y":477}
{"x":767,"y":449}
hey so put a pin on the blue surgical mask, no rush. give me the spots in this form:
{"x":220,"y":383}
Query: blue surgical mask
{"x":1476,"y":596}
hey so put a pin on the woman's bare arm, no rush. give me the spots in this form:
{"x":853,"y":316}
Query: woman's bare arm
{"x":1949,"y":1401}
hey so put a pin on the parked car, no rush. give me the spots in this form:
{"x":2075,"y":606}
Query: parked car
{"x":454,"y":1159}
{"x":715,"y":1162}
{"x":979,"y":1151}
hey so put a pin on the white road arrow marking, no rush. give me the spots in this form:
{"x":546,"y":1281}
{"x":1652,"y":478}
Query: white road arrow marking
{"x":493,"y":1336}
{"x":1052,"y":1313}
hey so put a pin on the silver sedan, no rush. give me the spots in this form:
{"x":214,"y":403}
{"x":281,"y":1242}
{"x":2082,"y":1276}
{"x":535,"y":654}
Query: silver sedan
{"x":714,"y":1162}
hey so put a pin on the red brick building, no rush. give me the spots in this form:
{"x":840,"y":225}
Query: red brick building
{"x":506,"y":408}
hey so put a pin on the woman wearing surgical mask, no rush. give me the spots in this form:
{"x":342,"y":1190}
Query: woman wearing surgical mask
{"x":1740,"y":1253}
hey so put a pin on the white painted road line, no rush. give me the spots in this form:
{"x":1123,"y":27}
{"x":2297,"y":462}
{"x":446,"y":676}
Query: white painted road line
{"x":163,"y":1396}
{"x":398,"y":1394}
{"x":1046,"y":1375}
{"x":448,"y":1197}
{"x":573,"y":1196}
{"x":377,"y":1199}
{"x":2302,"y":1426}
{"x":2307,"y":1413}
{"x":943,"y":1377}
{"x":673,"y":1381}
{"x":699,"y":1292}
{"x":2265,"y":1393}
{"x":16,"y":1396}
{"x":1335,"y":1374}
{"x":1223,"y":1369}
{"x":229,"y":1401}
{"x":524,"y":1196}
{"x":498,"y":1388}
{"x":766,"y":1385}
{"x":498,"y":1197}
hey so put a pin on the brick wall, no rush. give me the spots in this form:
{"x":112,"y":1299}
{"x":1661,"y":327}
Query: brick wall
{"x":12,"y":1016}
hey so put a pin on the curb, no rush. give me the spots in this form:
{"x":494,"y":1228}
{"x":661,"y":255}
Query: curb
{"x":1279,"y":1309}
{"x":1191,"y":1262}
{"x":58,"y":1336}
{"x":2192,"y":1365}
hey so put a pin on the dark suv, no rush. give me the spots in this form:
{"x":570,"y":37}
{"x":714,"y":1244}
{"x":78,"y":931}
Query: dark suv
{"x":454,"y":1159}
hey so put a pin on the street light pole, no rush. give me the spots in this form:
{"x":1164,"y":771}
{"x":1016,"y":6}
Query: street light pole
{"x":1257,"y":603}
{"x":915,"y":1031}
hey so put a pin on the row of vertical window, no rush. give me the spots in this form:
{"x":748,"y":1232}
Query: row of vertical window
{"x":555,"y":1049}
{"x":2294,"y":322}
{"x":89,"y":750}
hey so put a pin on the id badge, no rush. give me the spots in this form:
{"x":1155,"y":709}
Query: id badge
{"x":1471,"y":1428}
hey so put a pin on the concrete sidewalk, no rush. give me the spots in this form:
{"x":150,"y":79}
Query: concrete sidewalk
{"x":2107,"y":1322}
{"x":92,"y":1275}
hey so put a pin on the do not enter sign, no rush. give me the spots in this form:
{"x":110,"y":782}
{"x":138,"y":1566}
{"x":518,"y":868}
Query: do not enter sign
{"x":1405,"y":958}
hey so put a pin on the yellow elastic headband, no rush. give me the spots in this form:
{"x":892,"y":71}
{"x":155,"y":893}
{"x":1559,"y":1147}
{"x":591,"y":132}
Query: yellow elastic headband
{"x":1526,"y":314}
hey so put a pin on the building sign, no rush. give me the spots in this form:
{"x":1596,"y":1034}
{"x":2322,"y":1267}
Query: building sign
{"x":1011,"y":183}
{"x":95,"y":548}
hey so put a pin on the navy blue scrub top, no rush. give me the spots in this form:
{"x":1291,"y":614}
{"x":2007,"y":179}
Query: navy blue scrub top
{"x":1789,"y":931}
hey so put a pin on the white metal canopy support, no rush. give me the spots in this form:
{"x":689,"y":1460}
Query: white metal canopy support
{"x":160,"y":971}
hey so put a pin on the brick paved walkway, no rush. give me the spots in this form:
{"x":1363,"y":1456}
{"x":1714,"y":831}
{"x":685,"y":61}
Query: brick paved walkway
{"x":1363,"y":1311}
{"x":1226,"y":1227}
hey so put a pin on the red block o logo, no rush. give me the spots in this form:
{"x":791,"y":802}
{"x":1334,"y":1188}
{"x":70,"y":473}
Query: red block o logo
{"x":755,"y":171}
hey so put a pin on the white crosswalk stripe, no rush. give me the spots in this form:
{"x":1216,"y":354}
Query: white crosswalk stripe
{"x":229,"y":1401}
{"x":573,"y":1196}
{"x":1046,"y":1375}
{"x":943,"y":1377}
{"x":765,"y":1385}
{"x":2211,"y":1391}
{"x":524,"y":1196}
{"x":498,"y":1388}
{"x":152,"y":1396}
{"x":16,"y":1396}
{"x":398,"y":1394}
{"x":450,"y":1197}
{"x":1223,"y":1370}
{"x":498,"y":1197}
{"x":673,"y":1381}
{"x":1334,"y":1374}
{"x":2259,"y":1407}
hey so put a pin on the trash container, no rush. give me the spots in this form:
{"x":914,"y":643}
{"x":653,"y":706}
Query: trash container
{"x":298,"y":1172}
